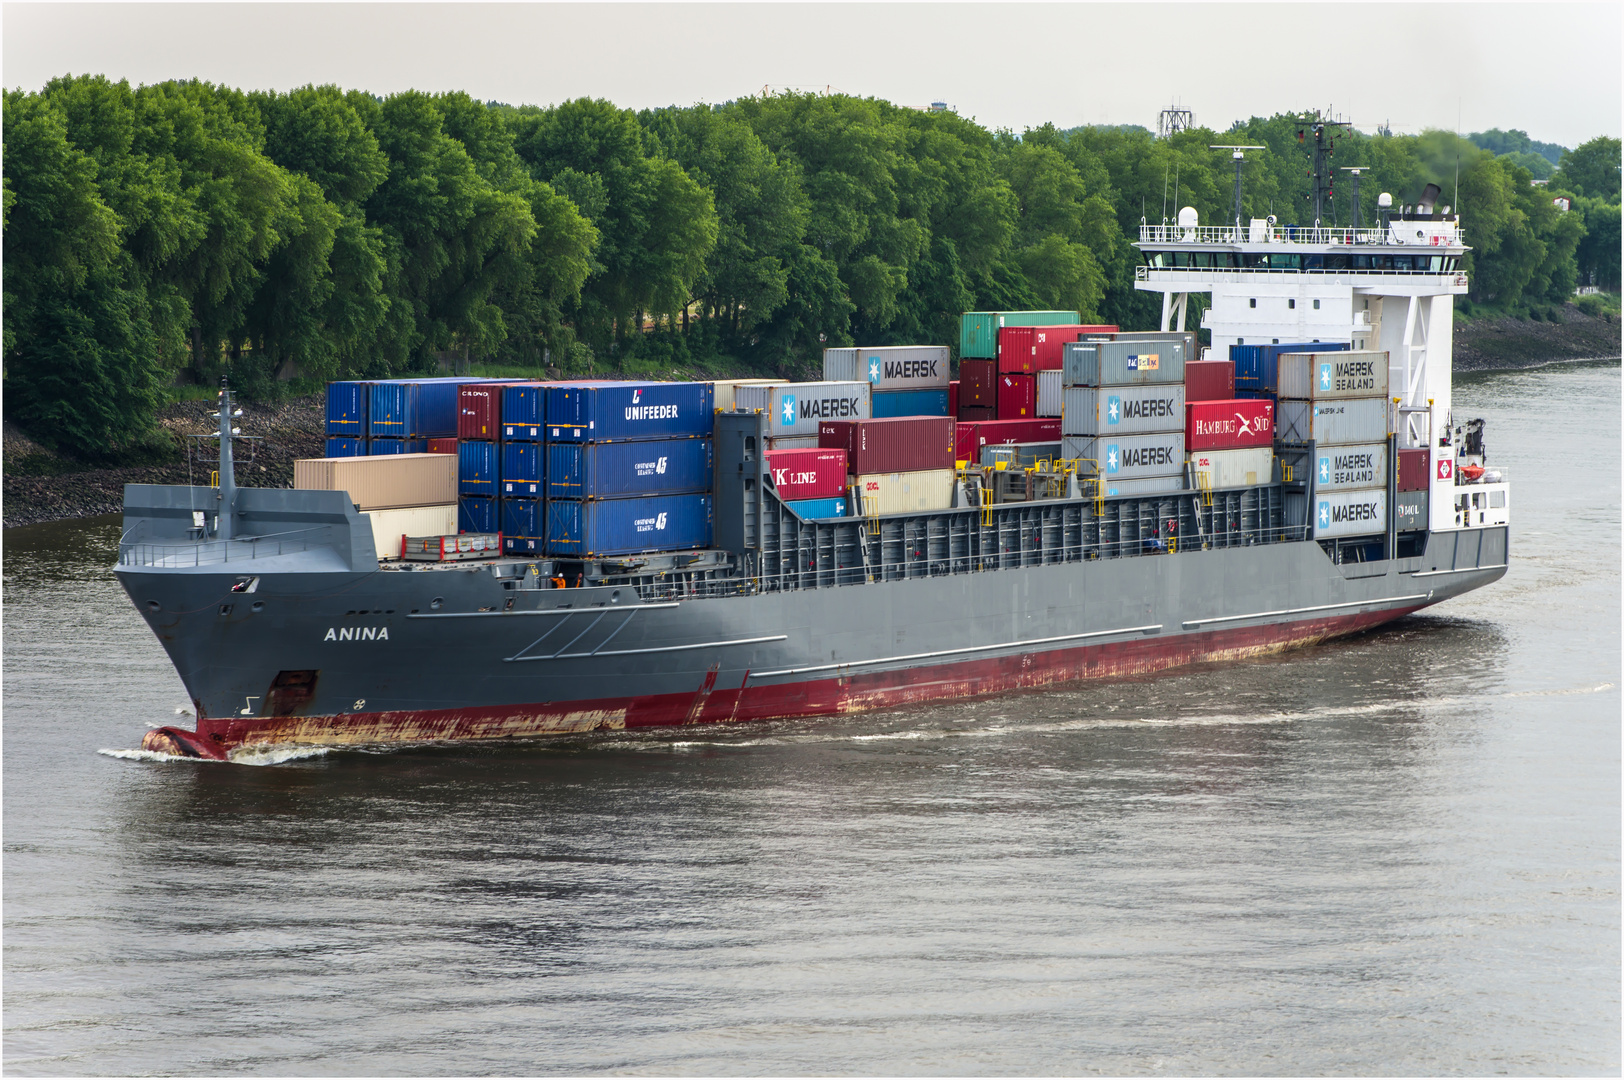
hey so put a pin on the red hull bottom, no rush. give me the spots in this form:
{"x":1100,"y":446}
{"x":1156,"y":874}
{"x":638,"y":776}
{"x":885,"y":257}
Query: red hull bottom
{"x":216,"y":737}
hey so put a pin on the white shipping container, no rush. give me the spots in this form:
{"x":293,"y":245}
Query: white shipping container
{"x":1331,"y":423}
{"x":1362,"y":465}
{"x":1350,"y":513}
{"x":1123,"y":410}
{"x":383,"y":482}
{"x":1155,"y":485}
{"x":1328,"y":375}
{"x":798,"y":408}
{"x":389,"y":526}
{"x":1220,"y":469}
{"x":1126,"y":457}
{"x":902,"y":493}
{"x":890,"y":367}
{"x":1051,"y":399}
{"x":724,"y":389}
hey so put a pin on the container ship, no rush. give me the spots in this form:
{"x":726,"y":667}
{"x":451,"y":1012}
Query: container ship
{"x":487,"y":559}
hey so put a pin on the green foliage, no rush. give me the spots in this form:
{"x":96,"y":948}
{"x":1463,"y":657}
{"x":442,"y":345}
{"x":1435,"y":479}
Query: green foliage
{"x":1592,"y":169}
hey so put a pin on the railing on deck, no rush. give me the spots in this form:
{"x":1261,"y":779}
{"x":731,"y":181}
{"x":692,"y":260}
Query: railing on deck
{"x":208,"y":552}
{"x":1284,"y":234}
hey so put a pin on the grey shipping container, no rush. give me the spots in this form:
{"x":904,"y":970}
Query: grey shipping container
{"x":1122,"y":363}
{"x":1018,"y":455}
{"x":890,"y":367}
{"x":798,"y":408}
{"x":1155,"y":485}
{"x":1346,"y":467}
{"x":1122,"y":410}
{"x":1126,"y":457}
{"x":1410,"y":510}
{"x":1050,"y":398}
{"x":1322,"y":376}
{"x":1331,"y":423}
{"x":1350,"y":513}
{"x":1184,"y":337}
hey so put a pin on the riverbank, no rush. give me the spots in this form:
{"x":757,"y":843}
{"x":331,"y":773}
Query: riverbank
{"x":1491,"y":344}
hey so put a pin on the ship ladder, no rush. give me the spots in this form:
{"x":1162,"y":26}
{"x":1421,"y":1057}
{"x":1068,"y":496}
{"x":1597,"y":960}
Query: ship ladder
{"x":1205,"y":485}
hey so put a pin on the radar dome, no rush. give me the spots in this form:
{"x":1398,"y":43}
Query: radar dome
{"x":1188,"y":218}
{"x":1384,"y":200}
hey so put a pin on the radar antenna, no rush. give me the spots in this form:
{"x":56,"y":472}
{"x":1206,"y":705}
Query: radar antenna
{"x":1239,"y":155}
{"x":1315,"y":123}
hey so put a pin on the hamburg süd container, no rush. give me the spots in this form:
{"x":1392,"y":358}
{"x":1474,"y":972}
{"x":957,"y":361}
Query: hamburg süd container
{"x":1348,"y":467}
{"x":479,"y":410}
{"x":723,"y":389}
{"x":618,"y":412}
{"x":978,"y":330}
{"x":1017,"y":397}
{"x":479,"y":466}
{"x":1127,"y":457}
{"x":1123,"y":363}
{"x":628,"y":526}
{"x":477,"y":514}
{"x":969,"y":438}
{"x":1331,"y":423}
{"x":899,"y":444}
{"x":524,"y":525}
{"x":381,"y":447}
{"x":812,"y":509}
{"x":901,"y":492}
{"x":347,"y":409}
{"x":1123,"y":410}
{"x":1051,"y":400}
{"x":798,"y":408}
{"x":1410,"y":510}
{"x":889,"y":403}
{"x":342,"y":447}
{"x":524,"y":411}
{"x":522,"y":470}
{"x":628,"y":469}
{"x":1323,"y":376}
{"x":890,"y":367}
{"x":1257,"y":366}
{"x":807,"y":474}
{"x":1220,"y":469}
{"x":440,"y":446}
{"x":1228,"y":425}
{"x":390,"y":527}
{"x":1350,"y":513}
{"x":1414,"y":469}
{"x":1209,"y":380}
{"x":978,"y":384}
{"x":1030,"y":349}
{"x":383,"y":483}
{"x":1154,"y":485}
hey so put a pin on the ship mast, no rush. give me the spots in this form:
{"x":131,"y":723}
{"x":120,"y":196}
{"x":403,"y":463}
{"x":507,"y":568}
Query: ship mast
{"x":226,"y":495}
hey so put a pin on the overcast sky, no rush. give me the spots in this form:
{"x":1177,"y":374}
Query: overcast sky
{"x":1550,"y":69}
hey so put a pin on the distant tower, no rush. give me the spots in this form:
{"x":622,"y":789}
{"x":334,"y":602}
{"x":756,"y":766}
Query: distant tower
{"x":1172,"y":120}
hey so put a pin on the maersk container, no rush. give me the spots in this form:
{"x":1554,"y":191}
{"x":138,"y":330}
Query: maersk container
{"x":1155,"y":485}
{"x":626,"y":469}
{"x":1209,"y":380}
{"x":1331,"y":423}
{"x":969,"y":438}
{"x":812,"y":509}
{"x":1126,"y":457}
{"x":1123,"y":363}
{"x":1322,"y":376}
{"x":1219,"y":469}
{"x":1122,"y":410}
{"x":347,"y":409}
{"x":1347,"y":467}
{"x":898,"y":444}
{"x":523,"y":411}
{"x":477,"y":514}
{"x":902,"y":492}
{"x":1414,"y":469}
{"x":1410,"y":511}
{"x":1051,"y":400}
{"x":522,"y":476}
{"x":1017,"y":396}
{"x":603,"y":527}
{"x":524,"y":525}
{"x":479,"y":467}
{"x":379,"y":447}
{"x":346,"y":448}
{"x":1257,"y":366}
{"x":479,"y":410}
{"x":978,"y":384}
{"x":1350,"y":513}
{"x":1228,"y":425}
{"x":807,"y":474}
{"x":890,"y":367}
{"x":619,"y":412}
{"x":978,"y":330}
{"x":893,"y":403}
{"x":798,"y":408}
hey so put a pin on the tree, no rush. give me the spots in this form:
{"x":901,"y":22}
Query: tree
{"x":1592,"y":169}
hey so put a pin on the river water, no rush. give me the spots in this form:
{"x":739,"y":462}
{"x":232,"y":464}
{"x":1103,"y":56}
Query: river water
{"x":1397,"y":854}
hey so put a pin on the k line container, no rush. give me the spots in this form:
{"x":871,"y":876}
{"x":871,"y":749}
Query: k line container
{"x":602,"y":527}
{"x":1220,"y":469}
{"x":1350,"y":513}
{"x":346,"y":447}
{"x":889,"y":403}
{"x":390,"y":526}
{"x":1019,"y":455}
{"x":479,"y":410}
{"x":978,"y":330}
{"x":628,"y":469}
{"x":1209,"y":380}
{"x":381,"y":447}
{"x":1349,"y":467}
{"x":902,"y":492}
{"x":1017,"y":397}
{"x":890,"y":367}
{"x":1325,"y":376}
{"x":798,"y":408}
{"x":1127,"y":457}
{"x":1257,"y":366}
{"x":1031,"y":349}
{"x":1413,"y":469}
{"x":1155,"y":485}
{"x":900,"y":444}
{"x":347,"y":409}
{"x":522,"y":464}
{"x":969,"y":438}
{"x":524,"y":521}
{"x":440,"y":446}
{"x":1331,"y":423}
{"x":1116,"y":363}
{"x":811,"y":509}
{"x":1410,"y":511}
{"x":624,"y":411}
{"x":807,"y":474}
{"x":524,"y":407}
{"x":477,"y":514}
{"x":723,"y":389}
{"x":479,"y":467}
{"x":1228,"y":425}
{"x":1122,"y":410}
{"x":1051,"y":400}
{"x":978,"y":384}
{"x":383,"y":483}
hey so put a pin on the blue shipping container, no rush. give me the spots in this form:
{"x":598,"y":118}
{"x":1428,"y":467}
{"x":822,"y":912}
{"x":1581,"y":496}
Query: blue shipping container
{"x":617,"y":412}
{"x":416,"y":408}
{"x":522,"y":524}
{"x":628,"y":526}
{"x":398,"y":446}
{"x":809,"y":509}
{"x":346,"y":448}
{"x":889,"y":403}
{"x":477,"y":468}
{"x":1257,"y":367}
{"x":522,"y":411}
{"x":521,"y":470}
{"x":619,"y":470}
{"x":476,"y":514}
{"x":347,"y":409}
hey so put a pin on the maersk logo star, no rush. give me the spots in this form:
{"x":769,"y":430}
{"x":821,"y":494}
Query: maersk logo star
{"x":874,"y":369}
{"x":787,"y":406}
{"x":1325,"y":472}
{"x":1325,"y":376}
{"x":1113,"y":409}
{"x":1325,"y":515}
{"x":1113,"y":458}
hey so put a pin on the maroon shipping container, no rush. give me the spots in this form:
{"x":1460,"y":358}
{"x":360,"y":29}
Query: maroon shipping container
{"x":442,"y":446}
{"x":978,"y":383}
{"x":970,"y":438}
{"x":1228,"y":425}
{"x":1030,"y":349}
{"x":953,"y":398}
{"x":1017,"y":395}
{"x":479,"y":411}
{"x":975,"y":414}
{"x":809,"y":473}
{"x":1209,"y":380}
{"x":893,"y":444}
{"x":1414,"y":469}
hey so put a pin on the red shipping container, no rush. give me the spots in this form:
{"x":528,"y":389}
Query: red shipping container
{"x":970,"y":438}
{"x":1414,"y":469}
{"x":809,"y":473}
{"x":893,"y":444}
{"x":1228,"y":425}
{"x":975,"y":414}
{"x":1030,"y":349}
{"x":1209,"y":380}
{"x":953,"y":398}
{"x":978,"y":383}
{"x":479,"y":411}
{"x":442,"y":446}
{"x":1017,"y":396}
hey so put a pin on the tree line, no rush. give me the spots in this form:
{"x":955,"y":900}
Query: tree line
{"x":174,"y":232}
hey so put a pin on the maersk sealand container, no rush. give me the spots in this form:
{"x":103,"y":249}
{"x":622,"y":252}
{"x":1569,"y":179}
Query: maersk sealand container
{"x":627,"y":469}
{"x":625,"y":411}
{"x":605,"y":527}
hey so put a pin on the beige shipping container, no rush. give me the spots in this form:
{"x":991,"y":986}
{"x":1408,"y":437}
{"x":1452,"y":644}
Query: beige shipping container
{"x":388,"y":526}
{"x":903,"y":493}
{"x":1219,"y":469}
{"x":384,"y":482}
{"x":724,"y":390}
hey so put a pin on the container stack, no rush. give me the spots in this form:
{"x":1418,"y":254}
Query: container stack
{"x":897,"y":464}
{"x":479,"y":448}
{"x":794,"y":410}
{"x":1337,"y":400}
{"x":1123,"y":416}
{"x":401,"y":495}
{"x":1414,"y":483}
{"x":1257,"y":366}
{"x":811,"y":482}
{"x":904,"y":380}
{"x":347,"y":434}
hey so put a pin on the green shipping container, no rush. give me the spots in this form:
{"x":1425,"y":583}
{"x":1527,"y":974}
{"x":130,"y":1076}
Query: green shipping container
{"x":978,"y":332}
